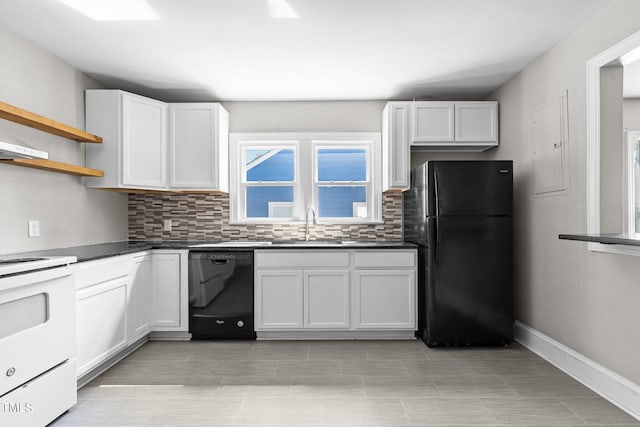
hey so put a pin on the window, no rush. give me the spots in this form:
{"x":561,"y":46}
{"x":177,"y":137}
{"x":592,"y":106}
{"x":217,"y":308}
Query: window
{"x":341,"y":183}
{"x":268,"y":180}
{"x":275,"y":177}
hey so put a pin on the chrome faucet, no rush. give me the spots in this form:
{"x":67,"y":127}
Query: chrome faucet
{"x":306,"y":220}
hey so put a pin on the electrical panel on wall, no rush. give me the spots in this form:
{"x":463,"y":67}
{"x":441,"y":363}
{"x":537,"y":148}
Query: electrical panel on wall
{"x":550,"y":136}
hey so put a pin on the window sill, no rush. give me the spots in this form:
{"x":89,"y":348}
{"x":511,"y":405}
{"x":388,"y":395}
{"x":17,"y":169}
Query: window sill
{"x":622,"y":243}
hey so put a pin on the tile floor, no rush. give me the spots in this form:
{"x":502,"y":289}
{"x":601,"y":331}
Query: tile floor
{"x":336,"y":383}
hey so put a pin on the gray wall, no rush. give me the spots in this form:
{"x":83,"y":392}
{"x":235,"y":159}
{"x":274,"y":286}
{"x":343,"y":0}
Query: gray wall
{"x":69,"y":214}
{"x":631,"y":114}
{"x":585,"y":300}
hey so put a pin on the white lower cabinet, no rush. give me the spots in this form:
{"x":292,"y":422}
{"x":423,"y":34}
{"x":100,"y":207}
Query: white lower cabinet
{"x":334,"y":290}
{"x":385,"y":289}
{"x":121,"y":299}
{"x":166,"y":292}
{"x":139,"y":306}
{"x":326,"y":299}
{"x":101,"y":310}
{"x":278,"y":299}
{"x":384,"y":299}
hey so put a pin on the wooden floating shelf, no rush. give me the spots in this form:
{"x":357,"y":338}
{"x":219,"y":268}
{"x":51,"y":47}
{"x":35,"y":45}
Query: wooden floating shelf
{"x":50,"y":165}
{"x":27,"y":118}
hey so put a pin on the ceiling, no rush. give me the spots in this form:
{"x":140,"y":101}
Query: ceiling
{"x":201,"y":50}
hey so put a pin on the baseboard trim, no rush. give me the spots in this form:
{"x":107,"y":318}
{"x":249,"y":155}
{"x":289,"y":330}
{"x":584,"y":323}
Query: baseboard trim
{"x":617,"y":389}
{"x":170,"y":336}
{"x":89,"y":376}
{"x":335,"y":335}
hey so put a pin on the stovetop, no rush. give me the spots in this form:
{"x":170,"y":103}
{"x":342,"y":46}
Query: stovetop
{"x":12,"y":264}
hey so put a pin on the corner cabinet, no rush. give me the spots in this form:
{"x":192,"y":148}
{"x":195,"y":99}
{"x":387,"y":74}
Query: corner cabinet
{"x":152,"y":145}
{"x":454,"y":126}
{"x":198,"y":146}
{"x":396,"y":164}
{"x":123,"y":299}
{"x":337,"y":293}
{"x":134,"y":129}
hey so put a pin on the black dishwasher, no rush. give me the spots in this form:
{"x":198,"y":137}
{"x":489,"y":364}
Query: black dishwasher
{"x":221,"y":295}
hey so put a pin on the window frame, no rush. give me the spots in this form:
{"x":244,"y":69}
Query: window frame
{"x":305,"y":191}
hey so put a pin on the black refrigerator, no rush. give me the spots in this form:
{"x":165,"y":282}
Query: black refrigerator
{"x":460,"y":215}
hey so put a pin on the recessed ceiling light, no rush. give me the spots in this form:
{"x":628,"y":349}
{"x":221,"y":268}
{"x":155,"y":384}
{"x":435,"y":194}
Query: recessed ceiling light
{"x":281,"y":9}
{"x":114,"y":10}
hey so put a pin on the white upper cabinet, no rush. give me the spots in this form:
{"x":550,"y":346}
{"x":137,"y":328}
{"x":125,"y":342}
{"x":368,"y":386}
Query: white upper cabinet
{"x":396,"y":120}
{"x":134,"y":129}
{"x":433,"y":122}
{"x":477,"y":122}
{"x":198,"y":146}
{"x":151,"y":145}
{"x":454,"y":126}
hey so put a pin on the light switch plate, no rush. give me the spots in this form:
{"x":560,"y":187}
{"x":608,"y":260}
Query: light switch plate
{"x":167,"y":225}
{"x":34,"y":228}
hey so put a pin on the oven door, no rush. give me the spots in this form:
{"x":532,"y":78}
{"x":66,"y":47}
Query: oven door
{"x":37,"y":324}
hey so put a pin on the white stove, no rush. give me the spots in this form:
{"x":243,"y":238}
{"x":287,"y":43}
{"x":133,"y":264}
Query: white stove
{"x":12,"y":264}
{"x":37,"y":339}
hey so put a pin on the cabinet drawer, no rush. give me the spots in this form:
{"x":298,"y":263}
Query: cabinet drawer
{"x":94,"y":272}
{"x":385,"y":259}
{"x":301,"y":259}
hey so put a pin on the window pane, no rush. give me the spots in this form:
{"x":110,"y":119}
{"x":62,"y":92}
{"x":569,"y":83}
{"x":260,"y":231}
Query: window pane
{"x":269,"y":165}
{"x":335,"y":164}
{"x":342,"y":202}
{"x":258,"y":199}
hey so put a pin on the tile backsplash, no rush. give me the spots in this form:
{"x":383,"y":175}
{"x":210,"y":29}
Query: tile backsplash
{"x":205,"y":216}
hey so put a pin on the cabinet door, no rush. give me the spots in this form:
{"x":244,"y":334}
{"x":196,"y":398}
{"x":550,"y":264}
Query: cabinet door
{"x":166,"y":291}
{"x":196,"y":155}
{"x":101,"y":313}
{"x":433,"y":122}
{"x":278,"y":299}
{"x":138,"y":307}
{"x":395,"y":146}
{"x":326,"y":299}
{"x":477,"y":122}
{"x":144,"y":142}
{"x":385,"y":299}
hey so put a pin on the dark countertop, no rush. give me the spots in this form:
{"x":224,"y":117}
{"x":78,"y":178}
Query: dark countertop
{"x":608,"y":239}
{"x":105,"y":250}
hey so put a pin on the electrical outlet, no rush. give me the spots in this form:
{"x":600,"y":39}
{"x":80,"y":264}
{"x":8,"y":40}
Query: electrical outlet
{"x":167,"y":225}
{"x":34,"y":228}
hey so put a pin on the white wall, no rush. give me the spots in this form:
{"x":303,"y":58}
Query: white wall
{"x":631,"y":114}
{"x":69,"y":214}
{"x":320,"y":116}
{"x":587,"y":301}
